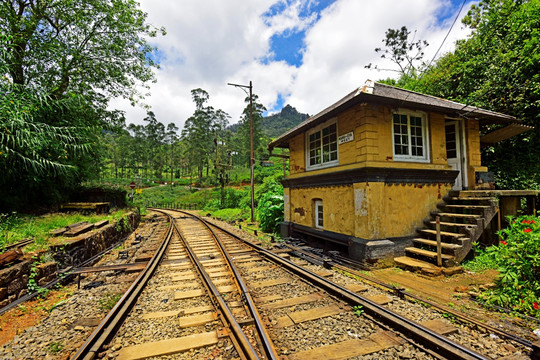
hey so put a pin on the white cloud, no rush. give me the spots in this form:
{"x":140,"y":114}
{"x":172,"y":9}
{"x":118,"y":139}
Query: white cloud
{"x":210,"y":43}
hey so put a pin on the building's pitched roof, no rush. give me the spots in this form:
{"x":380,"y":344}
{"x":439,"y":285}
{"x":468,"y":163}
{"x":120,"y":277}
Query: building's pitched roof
{"x":373,"y":92}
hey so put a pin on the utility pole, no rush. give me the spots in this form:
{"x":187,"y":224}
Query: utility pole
{"x":251,"y":159}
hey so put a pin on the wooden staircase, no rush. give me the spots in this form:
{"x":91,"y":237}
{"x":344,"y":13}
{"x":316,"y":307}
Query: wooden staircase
{"x":463,"y":218}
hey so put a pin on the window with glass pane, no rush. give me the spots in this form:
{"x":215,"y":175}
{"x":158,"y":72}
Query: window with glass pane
{"x":315,"y":148}
{"x":319,"y":214}
{"x":323,"y":146}
{"x":451,"y":145}
{"x":409,"y":136}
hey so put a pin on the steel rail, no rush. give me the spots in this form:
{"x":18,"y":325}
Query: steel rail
{"x":435,"y":342}
{"x":267,"y":344}
{"x":239,"y":335}
{"x":402,"y":293}
{"x":114,"y":319}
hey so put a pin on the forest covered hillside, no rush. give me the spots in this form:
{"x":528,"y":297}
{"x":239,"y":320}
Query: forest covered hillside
{"x":277,"y":124}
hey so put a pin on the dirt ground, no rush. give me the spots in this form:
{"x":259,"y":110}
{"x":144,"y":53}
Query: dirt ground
{"x":30,"y":313}
{"x":445,"y":290}
{"x":453,"y":292}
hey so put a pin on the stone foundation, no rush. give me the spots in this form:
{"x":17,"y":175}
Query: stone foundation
{"x":71,"y":252}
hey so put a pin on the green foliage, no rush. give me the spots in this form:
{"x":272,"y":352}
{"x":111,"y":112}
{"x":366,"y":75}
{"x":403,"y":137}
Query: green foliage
{"x":32,"y":283}
{"x":241,"y":141}
{"x":358,"y":310}
{"x":483,"y":260}
{"x":15,"y":227}
{"x":497,"y":68}
{"x":175,"y":195}
{"x":277,"y":124}
{"x":231,"y":215}
{"x":518,"y":257}
{"x":108,"y":301}
{"x":403,"y":51}
{"x":122,"y":225}
{"x":202,"y":131}
{"x":61,"y":60}
{"x":56,"y":347}
{"x":270,"y":205}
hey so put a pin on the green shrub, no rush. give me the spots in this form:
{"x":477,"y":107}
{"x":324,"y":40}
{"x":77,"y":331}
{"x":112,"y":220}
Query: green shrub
{"x":270,"y":211}
{"x":518,"y":256}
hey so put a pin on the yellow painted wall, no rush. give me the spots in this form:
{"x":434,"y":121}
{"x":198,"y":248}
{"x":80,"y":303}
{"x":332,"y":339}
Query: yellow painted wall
{"x":474,"y":159}
{"x":394,"y":210}
{"x":371,"y":125}
{"x":375,"y":210}
{"x":337,"y":207}
{"x":372,"y":210}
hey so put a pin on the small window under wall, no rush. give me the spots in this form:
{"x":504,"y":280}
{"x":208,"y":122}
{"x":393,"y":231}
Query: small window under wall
{"x":319,"y":223}
{"x":322,"y":146}
{"x":410,"y":136}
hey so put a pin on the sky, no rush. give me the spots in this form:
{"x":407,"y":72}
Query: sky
{"x":306,"y":53}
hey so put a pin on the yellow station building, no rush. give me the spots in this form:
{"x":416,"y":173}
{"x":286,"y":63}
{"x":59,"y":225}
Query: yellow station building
{"x":366,"y":171}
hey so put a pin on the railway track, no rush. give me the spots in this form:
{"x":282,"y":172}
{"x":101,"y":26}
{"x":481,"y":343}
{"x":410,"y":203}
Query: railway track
{"x":207,"y":294}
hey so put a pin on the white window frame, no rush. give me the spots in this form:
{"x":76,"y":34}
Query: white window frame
{"x":319,"y":128}
{"x":425,"y":137}
{"x":317,"y":204}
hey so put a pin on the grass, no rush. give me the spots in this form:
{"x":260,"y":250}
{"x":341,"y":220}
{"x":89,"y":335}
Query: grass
{"x":229,"y":215}
{"x":55,"y":347}
{"x":15,"y":227}
{"x":108,"y":301}
{"x":481,"y":262}
{"x":173,"y":195}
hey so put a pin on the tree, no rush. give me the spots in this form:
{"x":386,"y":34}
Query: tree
{"x":63,"y":59}
{"x":497,"y":68}
{"x":404,"y":52}
{"x":77,"y":46}
{"x":200,"y":130}
{"x":155,"y":135}
{"x":242,"y":138}
{"x":171,"y":138}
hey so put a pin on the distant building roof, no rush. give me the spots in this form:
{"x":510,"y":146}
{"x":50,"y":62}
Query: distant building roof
{"x":374,"y":92}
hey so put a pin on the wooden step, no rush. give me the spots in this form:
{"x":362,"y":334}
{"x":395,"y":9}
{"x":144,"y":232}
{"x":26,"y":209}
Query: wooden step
{"x":427,"y":253}
{"x":470,"y":198}
{"x":467,"y":207}
{"x":443,"y":233}
{"x":433,"y":243}
{"x":461,"y":216}
{"x":416,"y":264}
{"x":453,"y":224}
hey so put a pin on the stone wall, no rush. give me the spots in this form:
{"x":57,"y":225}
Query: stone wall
{"x":72,"y":252}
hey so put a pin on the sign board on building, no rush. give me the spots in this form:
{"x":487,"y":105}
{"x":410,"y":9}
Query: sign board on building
{"x":345,"y":138}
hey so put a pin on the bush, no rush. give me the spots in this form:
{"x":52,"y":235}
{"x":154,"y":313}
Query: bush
{"x":270,"y":210}
{"x":518,"y":256}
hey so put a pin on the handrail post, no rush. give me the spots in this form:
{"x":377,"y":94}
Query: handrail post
{"x":438,"y":228}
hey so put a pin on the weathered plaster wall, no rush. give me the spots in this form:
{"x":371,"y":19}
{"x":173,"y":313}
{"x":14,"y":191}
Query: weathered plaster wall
{"x":474,"y":158}
{"x":337,"y":205}
{"x":373,"y":210}
{"x":386,"y":211}
{"x":297,"y":159}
